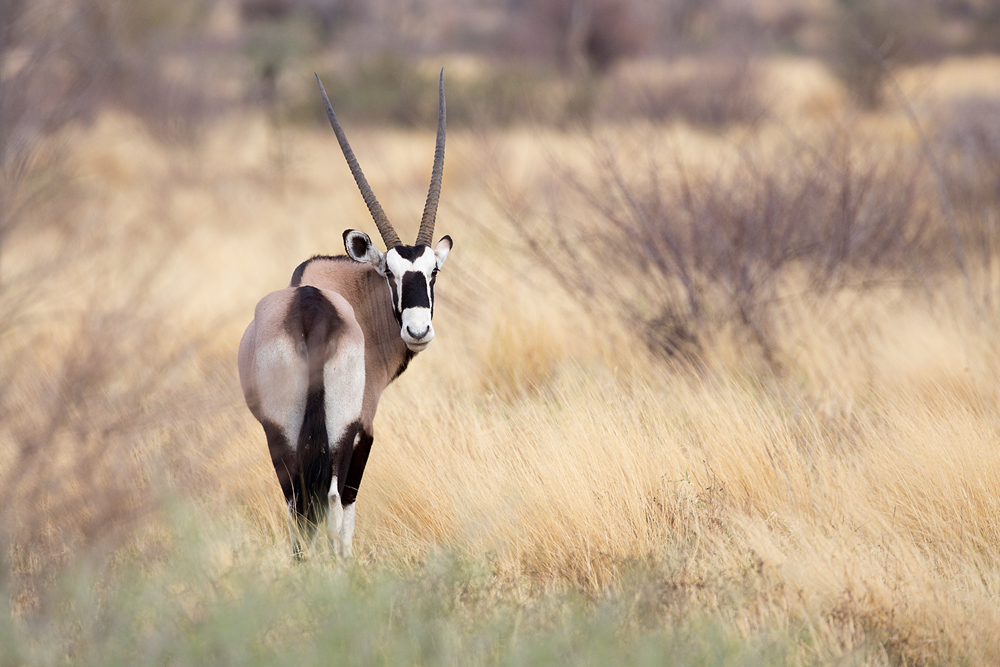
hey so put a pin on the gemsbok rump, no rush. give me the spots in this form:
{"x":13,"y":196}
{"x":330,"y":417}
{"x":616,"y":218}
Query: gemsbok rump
{"x":319,"y":353}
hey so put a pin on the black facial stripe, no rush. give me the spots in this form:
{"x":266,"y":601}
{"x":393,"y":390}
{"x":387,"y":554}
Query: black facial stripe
{"x":410,"y":252}
{"x":395,"y":301}
{"x":415,"y":290}
{"x":433,"y":280}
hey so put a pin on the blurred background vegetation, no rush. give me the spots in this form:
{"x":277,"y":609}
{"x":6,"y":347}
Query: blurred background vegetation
{"x":175,"y":64}
{"x":793,"y":384}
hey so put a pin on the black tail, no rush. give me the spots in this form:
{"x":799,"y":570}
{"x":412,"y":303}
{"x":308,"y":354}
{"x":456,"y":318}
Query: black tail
{"x":313,"y":320}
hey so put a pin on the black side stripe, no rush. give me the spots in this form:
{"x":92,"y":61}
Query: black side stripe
{"x":314,"y":321}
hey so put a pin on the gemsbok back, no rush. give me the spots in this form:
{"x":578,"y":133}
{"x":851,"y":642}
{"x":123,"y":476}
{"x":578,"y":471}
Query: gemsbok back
{"x":319,"y":353}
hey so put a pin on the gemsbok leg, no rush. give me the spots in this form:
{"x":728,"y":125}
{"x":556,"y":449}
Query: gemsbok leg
{"x":359,"y":457}
{"x":302,"y":367}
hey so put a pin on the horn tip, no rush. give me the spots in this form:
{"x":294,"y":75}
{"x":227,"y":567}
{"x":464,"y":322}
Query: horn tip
{"x":320,"y":82}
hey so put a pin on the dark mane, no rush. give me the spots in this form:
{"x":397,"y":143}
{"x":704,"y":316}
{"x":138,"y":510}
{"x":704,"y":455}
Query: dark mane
{"x":301,"y":268}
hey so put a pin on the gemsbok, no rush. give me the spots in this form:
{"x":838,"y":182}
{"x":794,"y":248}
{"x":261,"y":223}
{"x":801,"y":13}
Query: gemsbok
{"x":319,"y":353}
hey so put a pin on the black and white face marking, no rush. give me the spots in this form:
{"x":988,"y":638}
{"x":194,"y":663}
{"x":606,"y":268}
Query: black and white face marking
{"x":410,"y":272}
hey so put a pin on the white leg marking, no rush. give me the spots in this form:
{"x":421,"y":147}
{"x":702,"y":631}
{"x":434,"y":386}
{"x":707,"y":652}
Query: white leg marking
{"x":344,"y":382}
{"x":335,"y":518}
{"x":347,"y":531}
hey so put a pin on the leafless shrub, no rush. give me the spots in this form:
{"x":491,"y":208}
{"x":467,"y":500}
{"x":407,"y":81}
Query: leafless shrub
{"x":968,"y":135}
{"x":714,"y":92}
{"x":99,"y":420}
{"x":613,"y":34}
{"x":594,"y":35}
{"x":120,"y":53}
{"x":583,"y":35}
{"x":391,"y":90}
{"x":691,"y":254}
{"x":60,"y":63}
{"x":79,"y":383}
{"x":684,"y":16}
{"x":862,"y":36}
{"x":857,"y":29}
{"x":968,"y":139}
{"x":986,"y":19}
{"x":72,"y":478}
{"x":268,"y":10}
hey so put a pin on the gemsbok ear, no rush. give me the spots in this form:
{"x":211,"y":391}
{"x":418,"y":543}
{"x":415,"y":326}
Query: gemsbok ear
{"x":361,"y":249}
{"x":442,"y":249}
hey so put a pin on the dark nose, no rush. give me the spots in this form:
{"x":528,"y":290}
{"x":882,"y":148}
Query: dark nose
{"x":417,"y":336}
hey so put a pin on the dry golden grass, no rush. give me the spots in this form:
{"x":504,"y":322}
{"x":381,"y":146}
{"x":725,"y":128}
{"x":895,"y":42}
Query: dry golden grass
{"x":853,"y":500}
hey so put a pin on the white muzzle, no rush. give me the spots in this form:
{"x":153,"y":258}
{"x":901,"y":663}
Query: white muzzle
{"x":417,"y":331}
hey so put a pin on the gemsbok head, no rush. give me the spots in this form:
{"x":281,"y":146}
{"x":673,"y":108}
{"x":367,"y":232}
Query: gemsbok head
{"x":319,"y":353}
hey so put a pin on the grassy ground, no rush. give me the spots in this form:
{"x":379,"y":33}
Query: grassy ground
{"x":542,"y":489}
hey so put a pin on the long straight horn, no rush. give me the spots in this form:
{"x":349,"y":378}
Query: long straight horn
{"x":426,"y":233}
{"x":381,"y":221}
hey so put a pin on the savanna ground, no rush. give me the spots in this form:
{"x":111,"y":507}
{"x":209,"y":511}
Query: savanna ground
{"x":704,"y":448}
